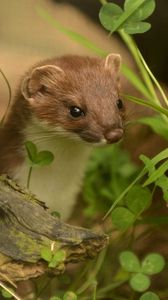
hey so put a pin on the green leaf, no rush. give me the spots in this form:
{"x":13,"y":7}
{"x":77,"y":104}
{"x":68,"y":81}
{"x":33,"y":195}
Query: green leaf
{"x":143,"y":11}
{"x":152,"y":264}
{"x":70,"y":296}
{"x":138,"y":199}
{"x":149,"y":296}
{"x":109,"y":13}
{"x":106,"y":178}
{"x":44,"y":158}
{"x":57,"y":258}
{"x":148,"y":163}
{"x":162,"y":155}
{"x":122,"y":218}
{"x":6,"y":294}
{"x":162,"y":182}
{"x":55,"y":298}
{"x":136,"y":27}
{"x":31,"y":150}
{"x":152,"y":105}
{"x":157,"y":173}
{"x":129,"y":261}
{"x":56,"y":214}
{"x":113,"y":18}
{"x":46,"y":254}
{"x":140,"y":282}
{"x":158,"y":125}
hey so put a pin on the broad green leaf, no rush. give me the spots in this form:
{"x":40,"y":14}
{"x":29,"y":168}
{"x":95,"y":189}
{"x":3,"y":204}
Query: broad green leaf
{"x":149,"y":296}
{"x":136,"y":27}
{"x":113,"y":19}
{"x":162,"y":182}
{"x":144,"y":10}
{"x":152,"y":264}
{"x":6,"y":294}
{"x":70,"y":296}
{"x":122,"y":218}
{"x":157,"y":173}
{"x":31,"y":150}
{"x":44,"y":158}
{"x":158,"y":125}
{"x":109,"y":13}
{"x":138,"y":199}
{"x":46,"y":254}
{"x":140,"y":282}
{"x":129,"y":261}
{"x":57,"y":258}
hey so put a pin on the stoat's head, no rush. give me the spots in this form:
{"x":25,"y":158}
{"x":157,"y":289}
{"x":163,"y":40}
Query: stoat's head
{"x":78,"y":95}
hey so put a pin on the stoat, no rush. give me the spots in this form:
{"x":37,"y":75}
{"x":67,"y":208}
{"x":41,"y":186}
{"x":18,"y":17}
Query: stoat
{"x":66,"y":105}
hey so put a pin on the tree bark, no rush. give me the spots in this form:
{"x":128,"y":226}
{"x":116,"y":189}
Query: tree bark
{"x":26,"y":227}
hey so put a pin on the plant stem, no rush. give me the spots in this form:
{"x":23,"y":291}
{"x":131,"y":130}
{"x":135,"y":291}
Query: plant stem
{"x":9,"y":291}
{"x":94,"y":290}
{"x":29,"y":177}
{"x":154,"y":79}
{"x":134,"y":51}
{"x":93,"y":274}
{"x":110,"y":287}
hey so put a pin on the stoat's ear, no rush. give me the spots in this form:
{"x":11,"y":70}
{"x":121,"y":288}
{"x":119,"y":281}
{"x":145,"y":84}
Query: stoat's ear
{"x":39,"y":80}
{"x":113,"y":64}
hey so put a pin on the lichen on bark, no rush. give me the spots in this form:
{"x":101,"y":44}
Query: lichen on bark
{"x":26,"y":226}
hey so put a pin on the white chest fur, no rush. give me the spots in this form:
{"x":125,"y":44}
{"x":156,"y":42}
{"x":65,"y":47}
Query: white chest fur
{"x":56,"y":184}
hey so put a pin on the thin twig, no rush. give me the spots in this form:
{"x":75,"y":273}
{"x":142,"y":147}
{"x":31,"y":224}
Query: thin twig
{"x":29,"y":176}
{"x":9,"y":291}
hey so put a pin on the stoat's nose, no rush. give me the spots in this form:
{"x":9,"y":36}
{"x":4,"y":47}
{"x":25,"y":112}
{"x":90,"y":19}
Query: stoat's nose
{"x":114,"y":135}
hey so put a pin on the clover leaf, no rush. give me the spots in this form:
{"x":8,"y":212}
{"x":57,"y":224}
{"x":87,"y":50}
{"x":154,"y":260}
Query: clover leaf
{"x":122,"y":218}
{"x":140,"y":282}
{"x":153,"y":263}
{"x":38,"y":158}
{"x":57,"y":258}
{"x":149,"y":296}
{"x":114,"y":18}
{"x":70,"y":296}
{"x":129,"y":261}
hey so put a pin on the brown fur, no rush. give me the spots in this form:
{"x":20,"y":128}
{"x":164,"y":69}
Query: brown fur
{"x":84,"y":82}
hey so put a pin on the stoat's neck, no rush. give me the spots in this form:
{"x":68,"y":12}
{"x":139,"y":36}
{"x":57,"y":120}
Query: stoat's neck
{"x":58,"y":183}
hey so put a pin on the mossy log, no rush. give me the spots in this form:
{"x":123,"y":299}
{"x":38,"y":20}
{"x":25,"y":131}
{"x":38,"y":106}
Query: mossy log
{"x":26,"y":227}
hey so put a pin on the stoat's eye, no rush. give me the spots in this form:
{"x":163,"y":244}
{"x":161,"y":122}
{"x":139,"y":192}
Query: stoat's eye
{"x":120,"y":104}
{"x":76,"y":112}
